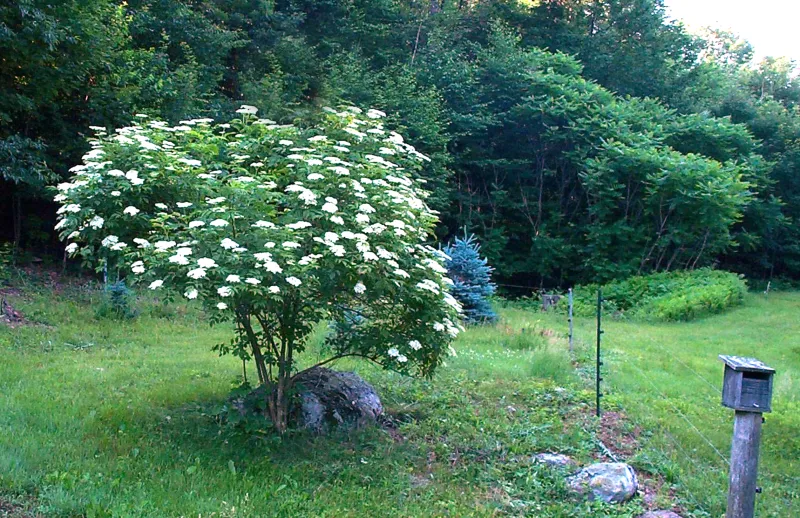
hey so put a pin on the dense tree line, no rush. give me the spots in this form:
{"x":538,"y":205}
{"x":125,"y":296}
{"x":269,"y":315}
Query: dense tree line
{"x":581,"y":140}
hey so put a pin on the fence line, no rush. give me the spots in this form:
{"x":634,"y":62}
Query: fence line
{"x":532,"y":288}
{"x":689,"y":460}
{"x":716,"y":388}
{"x":691,"y":464}
{"x":686,"y":454}
{"x":606,"y":450}
{"x":681,"y":414}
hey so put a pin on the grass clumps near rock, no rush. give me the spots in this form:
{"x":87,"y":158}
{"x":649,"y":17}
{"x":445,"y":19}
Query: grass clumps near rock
{"x":666,"y":296}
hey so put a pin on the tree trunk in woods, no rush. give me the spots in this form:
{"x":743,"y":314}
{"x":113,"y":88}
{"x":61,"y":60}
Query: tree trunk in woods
{"x":16,"y":203}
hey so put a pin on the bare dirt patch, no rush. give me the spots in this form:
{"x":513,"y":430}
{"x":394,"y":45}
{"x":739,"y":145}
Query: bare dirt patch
{"x":10,"y":316}
{"x":617,"y":433}
{"x":9,"y":509}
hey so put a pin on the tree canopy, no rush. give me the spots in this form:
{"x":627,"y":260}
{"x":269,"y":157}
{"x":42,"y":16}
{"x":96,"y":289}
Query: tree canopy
{"x":580,"y":140}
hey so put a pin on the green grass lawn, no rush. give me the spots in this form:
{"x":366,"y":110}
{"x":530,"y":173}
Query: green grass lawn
{"x":667,"y":376}
{"x":100,"y":417}
{"x":116,"y":418}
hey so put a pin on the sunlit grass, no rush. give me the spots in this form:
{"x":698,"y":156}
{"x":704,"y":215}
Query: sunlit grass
{"x":101,"y":417}
{"x":664,"y":375}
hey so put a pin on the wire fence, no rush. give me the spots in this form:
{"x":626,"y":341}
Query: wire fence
{"x":701,"y":378}
{"x":677,"y":411}
{"x":680,"y":434}
{"x":673,"y":395}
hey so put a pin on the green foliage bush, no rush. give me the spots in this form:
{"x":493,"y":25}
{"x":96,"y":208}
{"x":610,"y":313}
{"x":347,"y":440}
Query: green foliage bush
{"x":6,"y":260}
{"x":117,"y":302}
{"x":667,"y":296}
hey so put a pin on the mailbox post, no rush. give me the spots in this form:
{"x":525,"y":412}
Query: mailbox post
{"x":747,"y":388}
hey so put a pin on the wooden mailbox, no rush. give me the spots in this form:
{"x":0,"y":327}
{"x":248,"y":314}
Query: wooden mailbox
{"x":747,"y":385}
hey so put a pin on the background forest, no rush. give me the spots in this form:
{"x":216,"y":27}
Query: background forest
{"x":580,"y":140}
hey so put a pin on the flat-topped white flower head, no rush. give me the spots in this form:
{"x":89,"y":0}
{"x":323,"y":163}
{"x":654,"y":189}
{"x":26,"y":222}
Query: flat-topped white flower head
{"x":109,"y":241}
{"x":205,"y":262}
{"x":197,"y":273}
{"x":179,"y":259}
{"x":228,"y":244}
{"x":247,"y":110}
{"x":298,"y":225}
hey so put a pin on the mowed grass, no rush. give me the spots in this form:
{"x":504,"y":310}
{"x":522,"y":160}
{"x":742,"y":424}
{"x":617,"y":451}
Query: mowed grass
{"x":100,"y":417}
{"x":668,"y":379}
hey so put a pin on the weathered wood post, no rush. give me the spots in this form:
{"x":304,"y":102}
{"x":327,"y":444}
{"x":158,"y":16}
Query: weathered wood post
{"x":549,"y":301}
{"x":571,"y":347}
{"x":747,"y":388}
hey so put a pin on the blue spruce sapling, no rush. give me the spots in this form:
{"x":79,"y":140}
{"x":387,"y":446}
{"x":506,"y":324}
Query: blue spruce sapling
{"x":471,"y":277}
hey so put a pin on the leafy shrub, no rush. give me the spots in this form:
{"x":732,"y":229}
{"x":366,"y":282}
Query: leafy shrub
{"x":117,"y":302}
{"x":274,"y":228}
{"x":6,"y":260}
{"x":471,"y":275}
{"x":671,"y":296}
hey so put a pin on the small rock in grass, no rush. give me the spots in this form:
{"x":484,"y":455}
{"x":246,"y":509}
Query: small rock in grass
{"x":420,"y":481}
{"x":659,"y":514}
{"x":556,"y":460}
{"x":611,"y":482}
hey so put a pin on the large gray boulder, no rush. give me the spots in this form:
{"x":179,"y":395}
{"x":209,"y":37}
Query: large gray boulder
{"x":611,"y":482}
{"x":328,"y":398}
{"x":659,"y":514}
{"x":323,"y":399}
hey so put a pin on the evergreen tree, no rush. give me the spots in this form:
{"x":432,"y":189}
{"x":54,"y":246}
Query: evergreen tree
{"x":471,"y":279}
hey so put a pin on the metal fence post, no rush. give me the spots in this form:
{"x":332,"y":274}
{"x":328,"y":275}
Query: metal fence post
{"x":598,"y":379}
